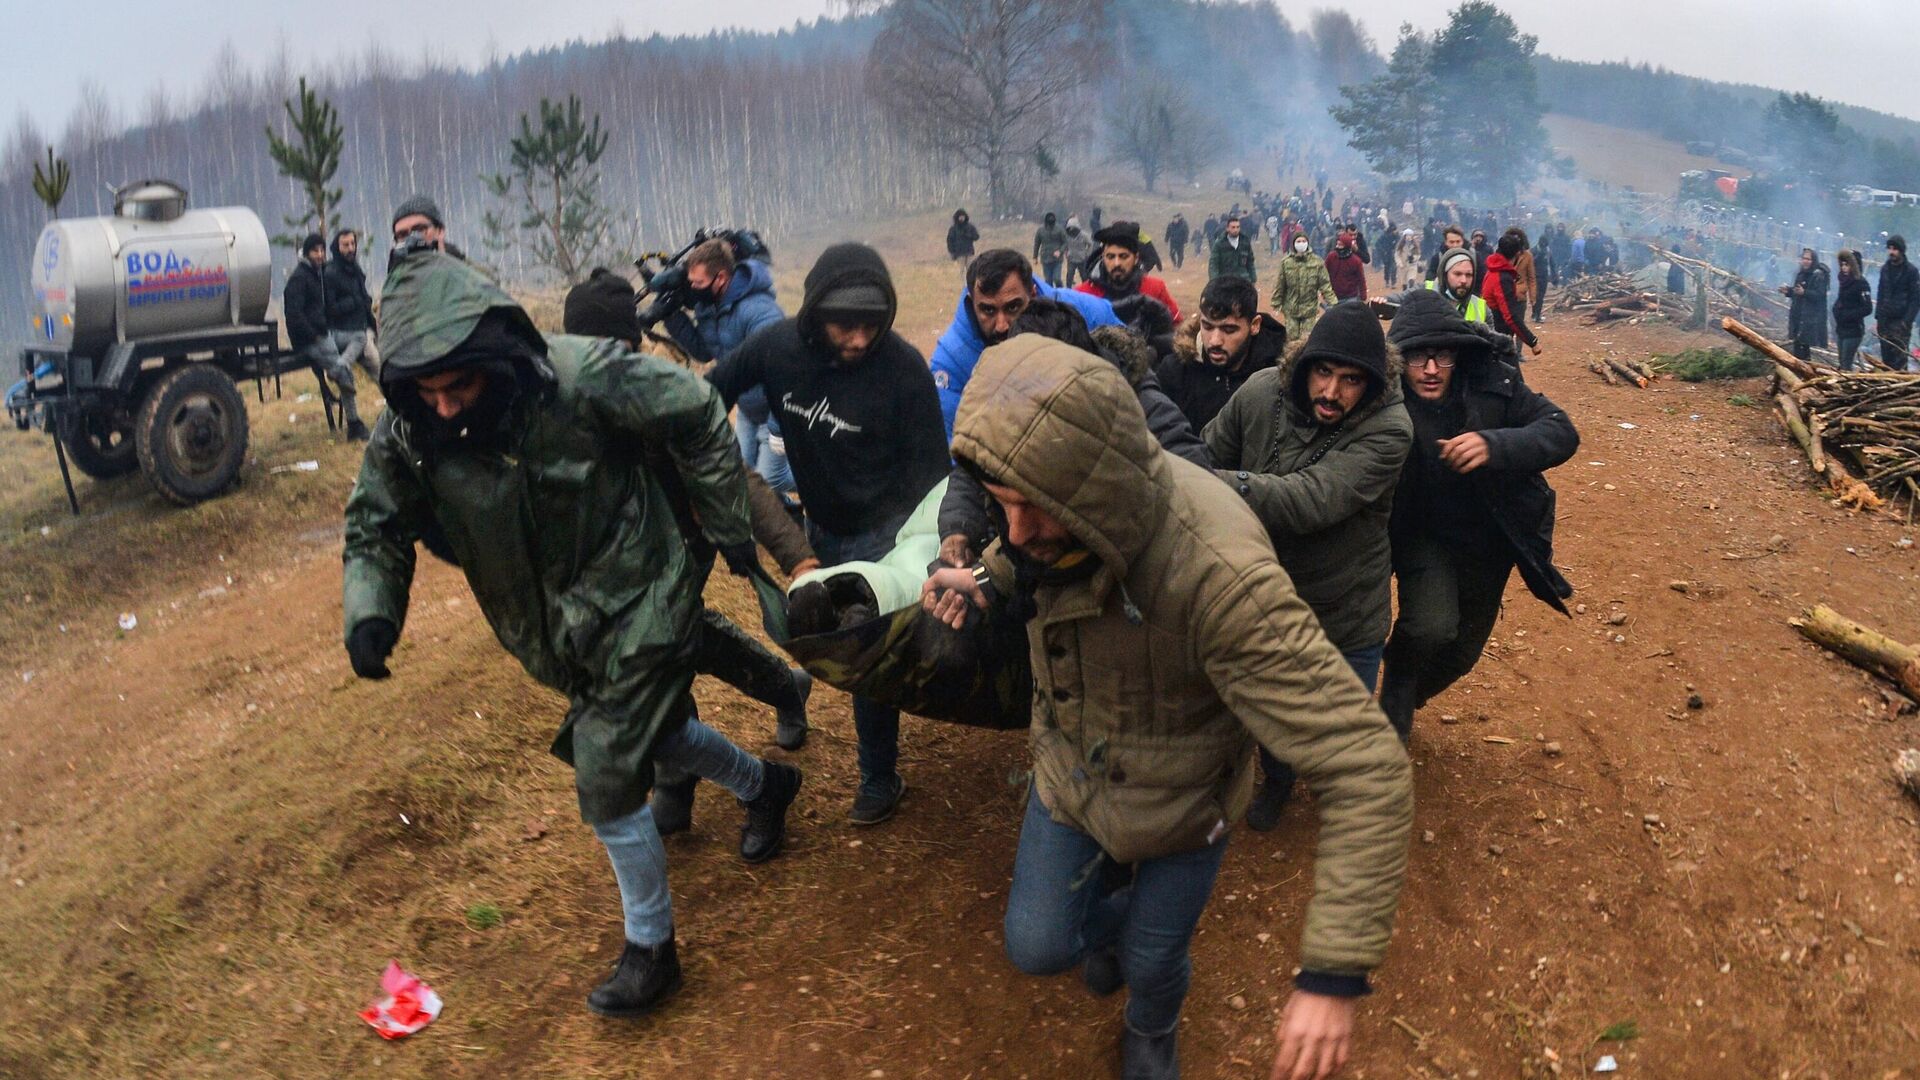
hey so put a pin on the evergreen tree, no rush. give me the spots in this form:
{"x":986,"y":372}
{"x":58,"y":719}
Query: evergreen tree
{"x":310,"y":161}
{"x":1805,"y":133}
{"x":1489,"y":96}
{"x":556,"y":186}
{"x":51,"y":183}
{"x":1394,"y":120}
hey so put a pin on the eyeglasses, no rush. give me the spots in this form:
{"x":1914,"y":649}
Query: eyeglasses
{"x":1422,"y":357}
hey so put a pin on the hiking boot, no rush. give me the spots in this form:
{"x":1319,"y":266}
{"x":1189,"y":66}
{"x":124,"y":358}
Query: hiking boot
{"x":673,"y":806}
{"x":1149,"y":1057}
{"x":645,"y":978}
{"x":1101,"y":971}
{"x":357,"y":431}
{"x":766,"y":827}
{"x":877,"y":799}
{"x":791,"y":731}
{"x":1268,"y":803}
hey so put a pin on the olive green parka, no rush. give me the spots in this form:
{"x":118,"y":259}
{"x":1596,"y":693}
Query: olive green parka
{"x":1155,"y":675}
{"x":565,"y":535}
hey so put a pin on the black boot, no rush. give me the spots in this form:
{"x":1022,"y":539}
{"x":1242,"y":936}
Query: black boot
{"x":645,"y":978}
{"x":1101,"y":971}
{"x":1150,"y":1057}
{"x":766,"y":827}
{"x":357,"y":431}
{"x":673,"y":806}
{"x":791,"y":731}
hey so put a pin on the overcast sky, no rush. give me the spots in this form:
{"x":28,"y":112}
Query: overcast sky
{"x":1850,"y":51}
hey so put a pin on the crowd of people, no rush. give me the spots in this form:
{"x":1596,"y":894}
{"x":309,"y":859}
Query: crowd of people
{"x":1199,"y":520}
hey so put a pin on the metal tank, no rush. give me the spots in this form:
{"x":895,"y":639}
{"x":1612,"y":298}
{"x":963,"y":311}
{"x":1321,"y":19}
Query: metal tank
{"x":153,"y":269}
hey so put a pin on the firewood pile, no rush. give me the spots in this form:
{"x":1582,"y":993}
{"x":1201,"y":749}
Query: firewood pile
{"x":1606,"y":297}
{"x":1860,"y":430}
{"x":1624,"y":372}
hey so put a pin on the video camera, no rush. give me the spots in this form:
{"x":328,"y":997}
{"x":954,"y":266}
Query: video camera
{"x":664,"y":277}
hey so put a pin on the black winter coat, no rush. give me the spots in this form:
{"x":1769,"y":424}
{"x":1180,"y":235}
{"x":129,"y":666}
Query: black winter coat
{"x":1807,"y":318}
{"x":961,"y":236}
{"x":1899,"y":293}
{"x":1526,"y":435}
{"x":349,"y":306}
{"x":1852,"y":306}
{"x":1201,"y":389}
{"x":303,"y":305}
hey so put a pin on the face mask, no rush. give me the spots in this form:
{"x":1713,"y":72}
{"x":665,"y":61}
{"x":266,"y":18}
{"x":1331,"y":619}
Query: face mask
{"x":1300,"y":246}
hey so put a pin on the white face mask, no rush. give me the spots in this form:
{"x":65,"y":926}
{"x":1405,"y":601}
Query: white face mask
{"x":1300,"y":246}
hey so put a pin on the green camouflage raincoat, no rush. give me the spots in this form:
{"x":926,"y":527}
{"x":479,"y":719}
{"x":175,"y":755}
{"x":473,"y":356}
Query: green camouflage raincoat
{"x":564,"y":533}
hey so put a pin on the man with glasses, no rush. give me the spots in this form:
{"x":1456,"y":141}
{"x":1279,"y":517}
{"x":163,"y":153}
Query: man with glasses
{"x":1471,"y":504}
{"x":418,"y":222}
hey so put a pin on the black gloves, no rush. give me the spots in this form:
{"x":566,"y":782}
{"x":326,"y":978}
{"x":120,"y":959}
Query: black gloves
{"x":368,"y":646}
{"x":742,"y":558}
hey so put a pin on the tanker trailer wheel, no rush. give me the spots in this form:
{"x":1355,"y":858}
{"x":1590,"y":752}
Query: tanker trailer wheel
{"x":192,"y":433}
{"x":101,"y":441}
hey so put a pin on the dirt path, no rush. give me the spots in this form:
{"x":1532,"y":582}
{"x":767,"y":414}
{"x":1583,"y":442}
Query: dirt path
{"x":216,"y":837}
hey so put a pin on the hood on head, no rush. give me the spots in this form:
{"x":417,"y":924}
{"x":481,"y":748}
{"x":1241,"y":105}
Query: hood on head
{"x":959,"y":216}
{"x":1347,"y":333}
{"x":333,"y":252}
{"x":840,"y":266}
{"x":437,"y":313}
{"x":1427,"y":319}
{"x":1062,"y":427}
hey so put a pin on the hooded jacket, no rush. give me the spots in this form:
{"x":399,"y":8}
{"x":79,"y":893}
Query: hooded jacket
{"x":717,"y":327}
{"x":1501,"y":290}
{"x":865,"y":439}
{"x":303,"y":305}
{"x":1201,"y":388}
{"x":1155,"y":675}
{"x":1324,"y":496}
{"x":1526,"y":435}
{"x":963,"y":510}
{"x":1852,"y":303}
{"x":564,"y":533}
{"x":1050,"y":243}
{"x":1347,"y":273}
{"x":961,"y":236}
{"x":349,"y":307}
{"x":959,"y":348}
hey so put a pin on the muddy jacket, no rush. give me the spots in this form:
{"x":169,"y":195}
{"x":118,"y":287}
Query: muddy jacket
{"x":1155,"y":674}
{"x":1303,"y":285}
{"x":1324,"y":501}
{"x":565,"y":535}
{"x":1201,"y":388}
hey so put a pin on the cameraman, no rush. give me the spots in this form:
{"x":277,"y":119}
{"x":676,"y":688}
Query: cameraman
{"x":420,"y":218}
{"x":729,"y":299}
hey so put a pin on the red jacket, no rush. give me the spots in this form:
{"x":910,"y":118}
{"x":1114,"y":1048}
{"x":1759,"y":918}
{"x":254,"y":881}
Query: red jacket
{"x":1501,"y":291}
{"x":1149,"y":286}
{"x":1348,"y":274}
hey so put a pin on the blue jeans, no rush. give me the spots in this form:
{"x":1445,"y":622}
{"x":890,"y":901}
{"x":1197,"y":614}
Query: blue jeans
{"x":633,"y":844}
{"x":1057,"y":914}
{"x":1366,"y":664}
{"x":1849,"y":349}
{"x":876,"y":726}
{"x":756,"y":447}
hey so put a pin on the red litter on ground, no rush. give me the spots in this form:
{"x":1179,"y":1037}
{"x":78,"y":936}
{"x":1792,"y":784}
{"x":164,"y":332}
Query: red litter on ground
{"x":409,"y":1005}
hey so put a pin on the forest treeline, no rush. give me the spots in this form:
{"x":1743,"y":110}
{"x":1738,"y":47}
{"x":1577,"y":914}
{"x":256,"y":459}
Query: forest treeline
{"x":773,"y":130}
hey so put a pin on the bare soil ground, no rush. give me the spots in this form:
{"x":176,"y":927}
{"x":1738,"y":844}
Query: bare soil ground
{"x":215,"y":837}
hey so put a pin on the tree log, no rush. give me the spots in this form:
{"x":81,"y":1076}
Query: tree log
{"x":1627,"y":373}
{"x":1773,"y":352}
{"x":1797,"y":427}
{"x":1606,"y":374}
{"x":1862,"y":646}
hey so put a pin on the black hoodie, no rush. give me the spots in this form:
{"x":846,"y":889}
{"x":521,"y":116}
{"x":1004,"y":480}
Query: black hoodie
{"x":349,"y":307}
{"x":865,"y":440}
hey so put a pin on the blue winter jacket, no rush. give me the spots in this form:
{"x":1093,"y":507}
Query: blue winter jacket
{"x":959,"y":348}
{"x":718,"y":328}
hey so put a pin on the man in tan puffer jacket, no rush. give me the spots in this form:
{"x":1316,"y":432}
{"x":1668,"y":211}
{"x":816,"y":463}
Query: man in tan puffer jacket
{"x":1166,"y":641}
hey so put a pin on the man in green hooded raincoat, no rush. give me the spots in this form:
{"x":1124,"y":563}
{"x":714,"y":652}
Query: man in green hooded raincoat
{"x":531,"y":456}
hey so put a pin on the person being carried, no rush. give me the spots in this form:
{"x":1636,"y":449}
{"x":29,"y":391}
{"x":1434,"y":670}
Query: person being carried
{"x":1315,"y":446}
{"x":1166,"y":643}
{"x":1471,"y":504}
{"x":526,"y":453}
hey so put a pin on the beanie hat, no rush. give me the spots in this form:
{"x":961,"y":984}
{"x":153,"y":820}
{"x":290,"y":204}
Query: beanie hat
{"x":854,"y":298}
{"x":419,"y":204}
{"x":602,"y":306}
{"x":1451,"y":256}
{"x":1897,"y":243}
{"x":313,"y":240}
{"x":1122,"y":234}
{"x":1349,"y":333}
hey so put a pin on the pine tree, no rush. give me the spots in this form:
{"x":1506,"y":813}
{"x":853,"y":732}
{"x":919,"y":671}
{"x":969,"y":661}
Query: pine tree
{"x":556,"y":186}
{"x":51,"y":184}
{"x":1394,"y":120}
{"x":310,"y":161}
{"x":1489,"y":95}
